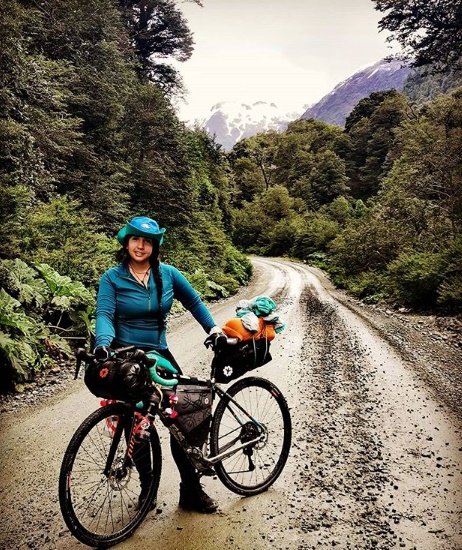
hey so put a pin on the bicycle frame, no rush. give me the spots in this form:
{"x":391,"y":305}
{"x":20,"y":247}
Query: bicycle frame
{"x":226,"y":454}
{"x":196,"y":456}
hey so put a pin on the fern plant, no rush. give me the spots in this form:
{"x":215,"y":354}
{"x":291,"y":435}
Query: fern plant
{"x":74,"y":303}
{"x":21,"y":280}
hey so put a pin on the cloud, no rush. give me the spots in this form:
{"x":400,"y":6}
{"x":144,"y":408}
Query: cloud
{"x":290,"y":53}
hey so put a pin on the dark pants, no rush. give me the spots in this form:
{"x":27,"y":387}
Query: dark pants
{"x":187,"y":471}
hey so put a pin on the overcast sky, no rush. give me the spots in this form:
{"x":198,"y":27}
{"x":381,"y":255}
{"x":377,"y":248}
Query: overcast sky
{"x":290,"y":52}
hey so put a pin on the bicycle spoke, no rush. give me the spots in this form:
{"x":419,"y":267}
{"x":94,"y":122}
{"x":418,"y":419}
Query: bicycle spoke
{"x":99,"y":496}
{"x":264,"y":425}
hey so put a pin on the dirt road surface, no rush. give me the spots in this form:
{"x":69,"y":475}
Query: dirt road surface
{"x":376,"y":461}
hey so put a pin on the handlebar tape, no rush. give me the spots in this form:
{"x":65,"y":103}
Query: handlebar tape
{"x":165,"y":364}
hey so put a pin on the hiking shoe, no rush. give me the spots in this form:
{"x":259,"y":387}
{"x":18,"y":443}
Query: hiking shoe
{"x":195,"y":498}
{"x":144,"y":495}
{"x":142,"y":500}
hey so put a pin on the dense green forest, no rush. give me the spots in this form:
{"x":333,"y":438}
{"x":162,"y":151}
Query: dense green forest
{"x":89,"y":138}
{"x":378,"y":204}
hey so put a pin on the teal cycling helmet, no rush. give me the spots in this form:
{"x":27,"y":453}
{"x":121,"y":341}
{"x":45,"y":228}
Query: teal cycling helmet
{"x":141,"y":226}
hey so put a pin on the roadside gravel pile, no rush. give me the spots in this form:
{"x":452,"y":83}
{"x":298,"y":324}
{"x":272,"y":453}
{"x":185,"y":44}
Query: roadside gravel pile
{"x":46,"y":385}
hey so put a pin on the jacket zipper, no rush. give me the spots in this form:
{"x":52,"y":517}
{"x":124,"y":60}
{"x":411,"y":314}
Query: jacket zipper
{"x":147,"y":288}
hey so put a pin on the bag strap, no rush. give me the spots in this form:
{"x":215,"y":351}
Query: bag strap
{"x":255,"y":350}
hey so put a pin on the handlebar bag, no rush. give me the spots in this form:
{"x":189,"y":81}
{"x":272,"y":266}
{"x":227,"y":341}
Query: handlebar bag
{"x":192,"y":404}
{"x":233,"y":361}
{"x":122,"y":379}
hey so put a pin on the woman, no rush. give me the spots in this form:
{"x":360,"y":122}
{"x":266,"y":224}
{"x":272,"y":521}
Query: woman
{"x":134,"y":299}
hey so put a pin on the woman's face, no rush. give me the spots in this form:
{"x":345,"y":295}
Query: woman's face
{"x":139,"y":249}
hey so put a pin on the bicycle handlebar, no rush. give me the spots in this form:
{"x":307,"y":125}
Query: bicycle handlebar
{"x":215,"y":341}
{"x":151,"y":361}
{"x":219,"y":341}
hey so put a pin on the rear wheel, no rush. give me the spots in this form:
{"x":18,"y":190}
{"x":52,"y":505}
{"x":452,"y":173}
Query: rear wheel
{"x":103,"y":500}
{"x":262,"y":414}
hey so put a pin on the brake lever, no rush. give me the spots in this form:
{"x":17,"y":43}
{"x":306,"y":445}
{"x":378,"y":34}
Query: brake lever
{"x":79,"y":354}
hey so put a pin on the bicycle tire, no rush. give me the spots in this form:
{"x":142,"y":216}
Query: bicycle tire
{"x":102,"y":510}
{"x":253,"y":469}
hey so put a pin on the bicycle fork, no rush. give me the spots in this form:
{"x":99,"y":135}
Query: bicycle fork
{"x":131,"y":439}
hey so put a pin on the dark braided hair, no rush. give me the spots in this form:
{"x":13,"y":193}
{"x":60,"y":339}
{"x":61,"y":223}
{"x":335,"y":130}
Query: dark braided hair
{"x":124,"y":258}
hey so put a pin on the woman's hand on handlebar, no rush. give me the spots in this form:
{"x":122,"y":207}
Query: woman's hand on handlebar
{"x":102,"y":353}
{"x":216,"y":341}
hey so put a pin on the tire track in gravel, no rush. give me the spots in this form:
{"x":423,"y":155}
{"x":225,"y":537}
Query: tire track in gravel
{"x":376,"y":460}
{"x":346,"y":470}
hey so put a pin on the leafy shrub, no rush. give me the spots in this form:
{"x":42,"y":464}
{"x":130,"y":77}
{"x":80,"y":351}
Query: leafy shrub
{"x":317,"y":233}
{"x":319,"y":259}
{"x":237,"y":265}
{"x":19,"y":337}
{"x":450,"y":291}
{"x":252,"y":227}
{"x":414,"y":279}
{"x":205,"y":286}
{"x":39,"y":311}
{"x":216,"y":266}
{"x":282,"y":237}
{"x":63,"y":235}
{"x":368,"y":286}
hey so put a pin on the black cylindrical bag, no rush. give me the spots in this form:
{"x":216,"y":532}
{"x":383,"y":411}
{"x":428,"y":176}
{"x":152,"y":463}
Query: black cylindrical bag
{"x":124,"y":380}
{"x":233,"y":361}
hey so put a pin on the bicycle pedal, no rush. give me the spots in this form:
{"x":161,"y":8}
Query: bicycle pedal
{"x":207,"y":472}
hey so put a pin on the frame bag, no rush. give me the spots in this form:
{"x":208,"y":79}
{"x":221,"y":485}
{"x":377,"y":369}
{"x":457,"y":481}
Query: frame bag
{"x":190,"y":403}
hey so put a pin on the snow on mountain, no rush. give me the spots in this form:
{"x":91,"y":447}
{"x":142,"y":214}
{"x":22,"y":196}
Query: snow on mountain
{"x":231,"y":121}
{"x":335,"y":107}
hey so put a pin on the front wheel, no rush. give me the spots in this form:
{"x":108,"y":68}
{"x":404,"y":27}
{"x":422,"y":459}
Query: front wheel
{"x":252,"y":409}
{"x":105,"y":490}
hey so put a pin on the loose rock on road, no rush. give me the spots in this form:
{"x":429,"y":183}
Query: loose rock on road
{"x":377,"y":448}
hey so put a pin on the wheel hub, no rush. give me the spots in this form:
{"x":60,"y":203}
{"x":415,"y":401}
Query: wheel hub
{"x":250,"y":432}
{"x":119,"y":476}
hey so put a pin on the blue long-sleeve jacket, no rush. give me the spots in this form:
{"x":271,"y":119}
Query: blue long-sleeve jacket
{"x":127,"y":312}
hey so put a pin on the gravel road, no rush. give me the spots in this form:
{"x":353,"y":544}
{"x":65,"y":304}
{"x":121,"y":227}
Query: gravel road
{"x":376,"y":461}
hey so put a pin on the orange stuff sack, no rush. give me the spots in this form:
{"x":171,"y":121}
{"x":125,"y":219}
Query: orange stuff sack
{"x":266,"y":331}
{"x":235,"y":329}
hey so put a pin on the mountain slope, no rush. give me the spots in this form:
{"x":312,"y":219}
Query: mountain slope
{"x":231,"y":121}
{"x":337,"y":105}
